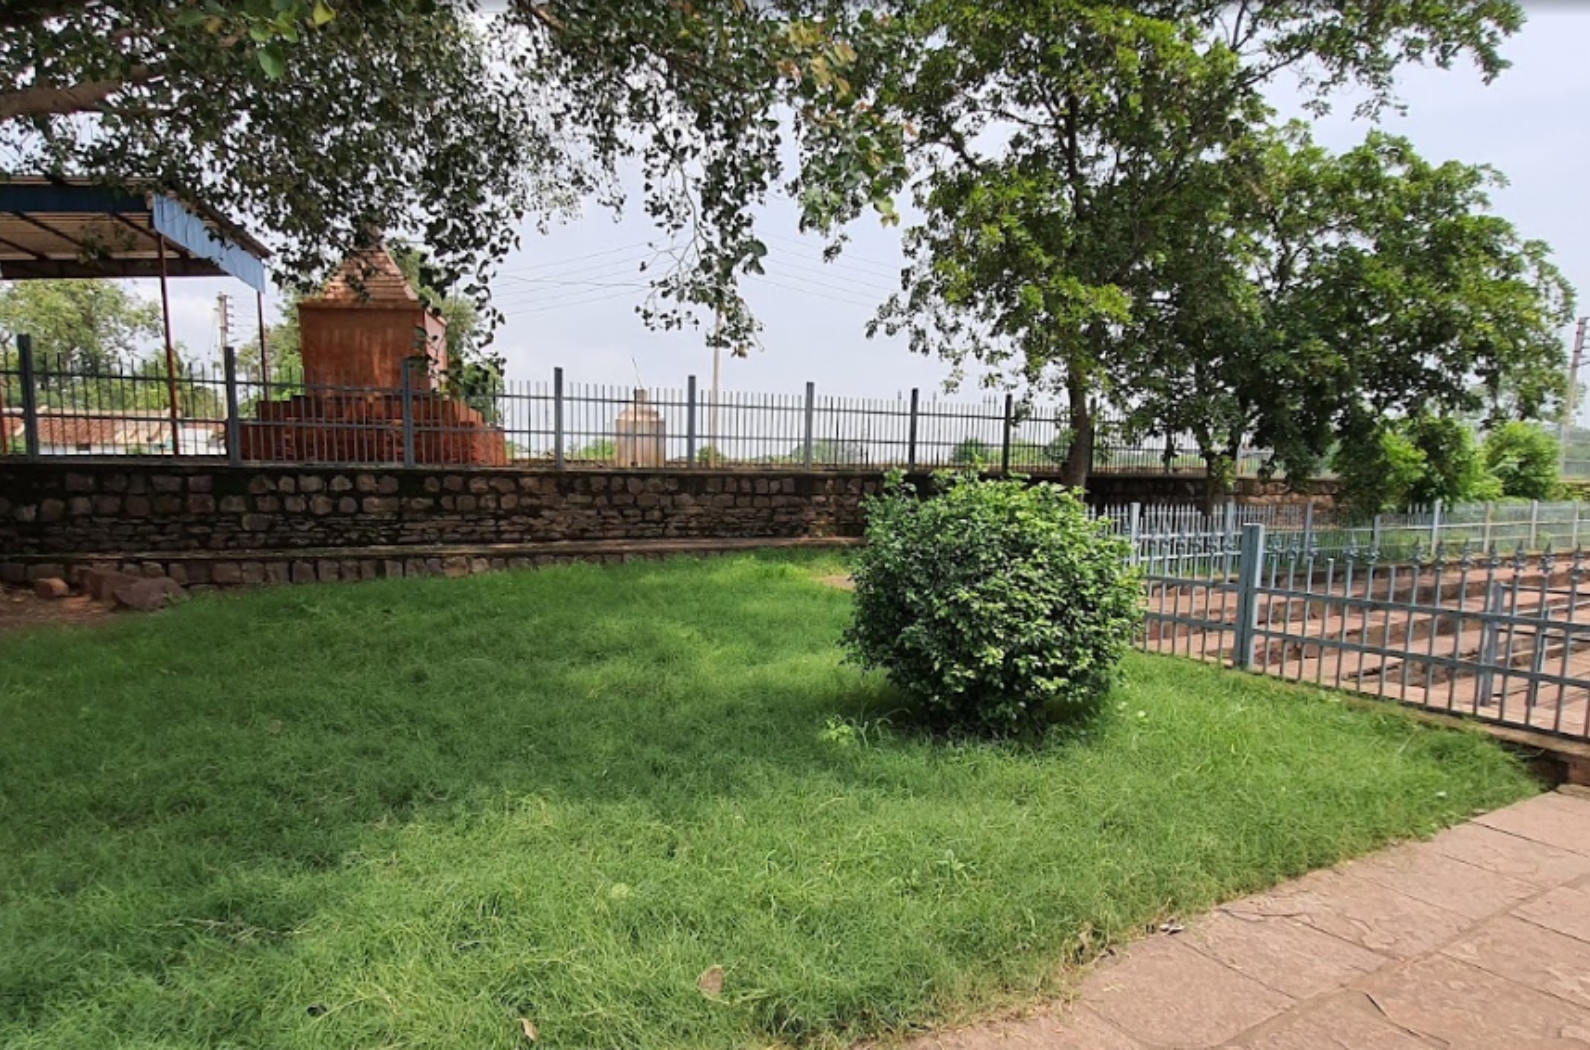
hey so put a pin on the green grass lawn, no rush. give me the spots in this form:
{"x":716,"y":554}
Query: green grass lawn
{"x":410,"y":813}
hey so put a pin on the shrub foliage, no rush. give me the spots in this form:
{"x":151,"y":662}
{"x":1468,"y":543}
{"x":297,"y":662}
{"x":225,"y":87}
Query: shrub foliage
{"x":994,"y":605}
{"x":1524,"y":458}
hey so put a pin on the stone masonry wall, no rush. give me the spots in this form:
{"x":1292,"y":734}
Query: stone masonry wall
{"x":215,"y":524}
{"x":78,"y":507}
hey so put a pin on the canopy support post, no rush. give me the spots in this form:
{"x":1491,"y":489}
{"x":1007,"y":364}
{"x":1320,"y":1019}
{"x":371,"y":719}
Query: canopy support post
{"x":171,"y":352}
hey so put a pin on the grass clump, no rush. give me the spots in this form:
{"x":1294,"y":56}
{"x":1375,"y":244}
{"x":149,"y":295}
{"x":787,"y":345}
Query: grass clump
{"x":413,"y":813}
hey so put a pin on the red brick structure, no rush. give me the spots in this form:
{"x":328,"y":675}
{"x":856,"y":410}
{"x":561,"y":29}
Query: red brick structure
{"x":356,"y":338}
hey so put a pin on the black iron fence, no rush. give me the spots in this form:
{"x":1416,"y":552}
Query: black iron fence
{"x":54,"y":407}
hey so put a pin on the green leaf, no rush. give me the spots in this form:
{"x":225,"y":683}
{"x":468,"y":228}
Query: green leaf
{"x":273,"y":60}
{"x":323,"y":13}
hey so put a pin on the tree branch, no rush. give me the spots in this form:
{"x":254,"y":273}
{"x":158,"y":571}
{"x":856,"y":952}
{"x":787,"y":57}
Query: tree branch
{"x":47,"y":101}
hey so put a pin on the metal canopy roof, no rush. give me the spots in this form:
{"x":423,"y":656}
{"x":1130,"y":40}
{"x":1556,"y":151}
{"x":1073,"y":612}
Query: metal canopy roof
{"x":74,"y":228}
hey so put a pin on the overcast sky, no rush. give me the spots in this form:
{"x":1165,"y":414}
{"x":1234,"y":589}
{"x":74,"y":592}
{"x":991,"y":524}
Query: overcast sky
{"x":570,"y":295}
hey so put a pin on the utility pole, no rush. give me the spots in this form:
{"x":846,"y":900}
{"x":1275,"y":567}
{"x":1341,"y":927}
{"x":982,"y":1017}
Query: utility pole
{"x":1565,"y":428}
{"x":223,"y":310}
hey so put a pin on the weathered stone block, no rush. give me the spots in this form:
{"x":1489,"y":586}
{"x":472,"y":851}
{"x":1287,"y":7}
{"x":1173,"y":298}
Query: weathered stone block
{"x":321,"y":505}
{"x":147,"y":595}
{"x":386,"y":484}
{"x":311,"y":483}
{"x":326,"y":570}
{"x":79,"y":482}
{"x":253,"y":573}
{"x":287,"y":485}
{"x":51,"y":587}
{"x":303,"y":572}
{"x":341,"y":483}
{"x":233,"y":504}
{"x":347,"y":505}
{"x":200,"y":483}
{"x":139,"y":506}
{"x":256,"y":523}
{"x":200,"y":504}
{"x":382,"y":504}
{"x":226,"y":574}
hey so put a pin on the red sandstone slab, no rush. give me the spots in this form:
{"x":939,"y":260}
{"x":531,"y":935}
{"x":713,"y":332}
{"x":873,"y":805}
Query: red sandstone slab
{"x":1361,"y":912}
{"x":1511,"y":855}
{"x":1466,"y":1008}
{"x":1428,"y":875}
{"x":1530,"y":955}
{"x":1555,"y":819}
{"x":1167,"y":994}
{"x":1564,"y":909}
{"x":1345,"y":1022}
{"x":1057,"y":1029}
{"x":1280,"y":953}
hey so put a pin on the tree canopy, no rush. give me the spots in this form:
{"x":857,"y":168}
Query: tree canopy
{"x":317,"y":121}
{"x":1094,"y":178}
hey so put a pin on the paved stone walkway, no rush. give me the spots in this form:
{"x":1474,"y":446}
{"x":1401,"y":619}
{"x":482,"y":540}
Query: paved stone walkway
{"x":1478,"y":938}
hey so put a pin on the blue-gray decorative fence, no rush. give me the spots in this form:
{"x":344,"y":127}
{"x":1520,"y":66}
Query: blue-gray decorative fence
{"x":1499,"y":635}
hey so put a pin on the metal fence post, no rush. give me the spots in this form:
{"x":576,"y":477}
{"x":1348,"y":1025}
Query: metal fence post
{"x":910,"y":441}
{"x":1004,"y":444}
{"x":1250,"y":569}
{"x":1534,"y":521}
{"x":234,"y":426}
{"x":1490,"y":512}
{"x":690,"y":421}
{"x":408,"y":413}
{"x":1573,"y":542}
{"x":1374,"y":535}
{"x":1435,"y":525}
{"x":1308,"y":526}
{"x":1134,"y":527}
{"x":557,"y":418}
{"x":811,"y":414}
{"x":30,"y":397}
{"x":1490,"y":636}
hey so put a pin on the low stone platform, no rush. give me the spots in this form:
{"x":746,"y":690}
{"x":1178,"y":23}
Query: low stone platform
{"x":1478,"y":938}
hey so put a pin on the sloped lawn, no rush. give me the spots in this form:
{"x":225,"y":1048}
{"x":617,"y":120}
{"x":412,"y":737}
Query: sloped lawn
{"x":413,"y":813}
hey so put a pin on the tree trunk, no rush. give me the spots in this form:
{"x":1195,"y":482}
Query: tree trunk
{"x":1079,"y":458}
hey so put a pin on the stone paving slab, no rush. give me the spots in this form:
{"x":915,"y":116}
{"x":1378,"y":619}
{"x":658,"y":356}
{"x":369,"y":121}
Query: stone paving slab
{"x":1476,"y":939}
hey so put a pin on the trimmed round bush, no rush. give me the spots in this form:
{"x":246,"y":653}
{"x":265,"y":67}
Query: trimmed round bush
{"x":994,"y":606}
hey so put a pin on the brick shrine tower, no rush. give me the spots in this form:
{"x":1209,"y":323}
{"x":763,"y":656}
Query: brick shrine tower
{"x":356,"y":339}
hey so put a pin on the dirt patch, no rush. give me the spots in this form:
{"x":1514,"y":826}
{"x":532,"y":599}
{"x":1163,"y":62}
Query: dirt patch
{"x":20,"y":607}
{"x":843,"y":582}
